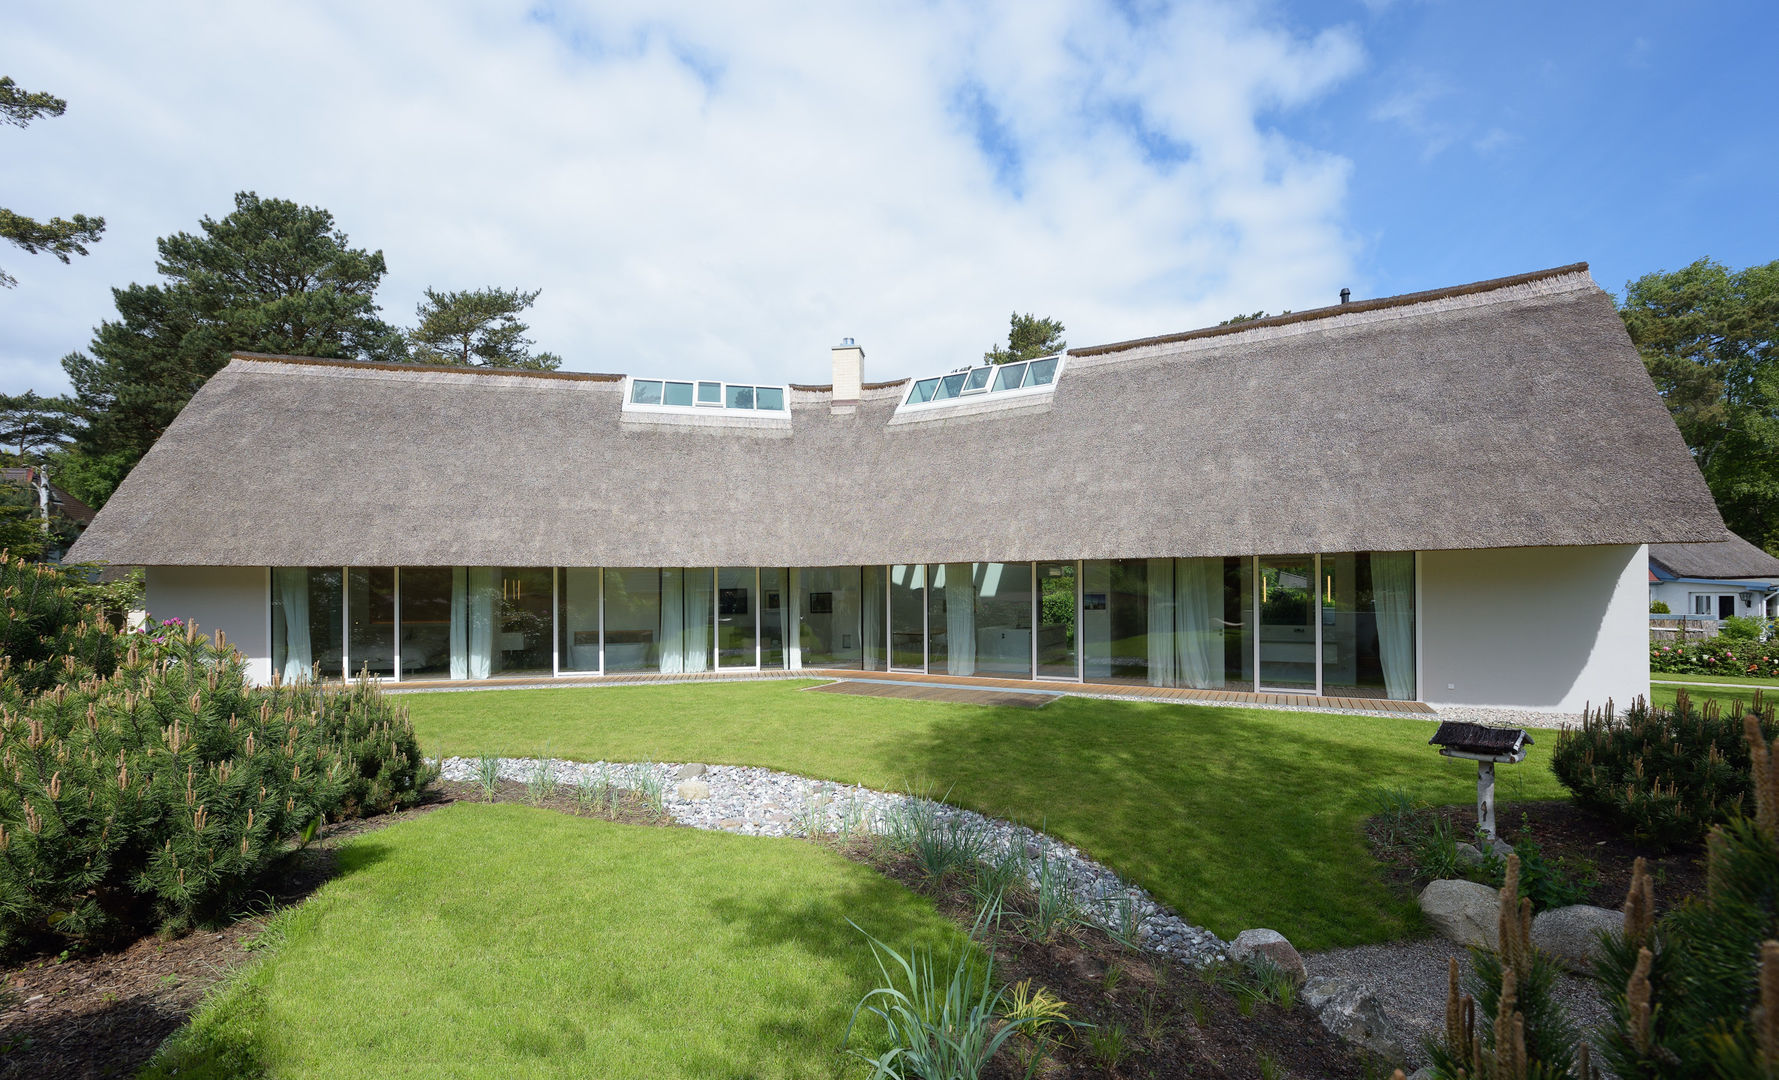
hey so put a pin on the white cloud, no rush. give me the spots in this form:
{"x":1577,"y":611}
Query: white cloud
{"x":719,"y":190}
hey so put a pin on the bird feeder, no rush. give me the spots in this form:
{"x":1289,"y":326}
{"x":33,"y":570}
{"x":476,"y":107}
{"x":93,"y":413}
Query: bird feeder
{"x":1488,"y":747}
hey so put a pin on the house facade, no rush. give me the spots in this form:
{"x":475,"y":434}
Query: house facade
{"x":1714,"y":581}
{"x":1444,"y":497}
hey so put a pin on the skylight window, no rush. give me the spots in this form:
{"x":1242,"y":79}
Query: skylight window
{"x":990,"y":380}
{"x":668,"y":395}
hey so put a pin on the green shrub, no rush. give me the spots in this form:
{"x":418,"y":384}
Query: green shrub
{"x":49,"y":634}
{"x":1738,"y":628}
{"x":1667,"y":773}
{"x":1659,"y":607}
{"x":162,"y":793}
{"x":1715,"y":656}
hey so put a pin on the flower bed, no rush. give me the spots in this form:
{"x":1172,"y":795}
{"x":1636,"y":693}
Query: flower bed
{"x":1715,"y":656}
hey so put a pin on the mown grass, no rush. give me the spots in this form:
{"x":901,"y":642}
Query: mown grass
{"x":503,"y":941}
{"x":1237,"y":818}
{"x":1726,"y":692}
{"x":1727,"y":680}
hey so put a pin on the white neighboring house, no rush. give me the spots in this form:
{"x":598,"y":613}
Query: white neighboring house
{"x":1714,"y":580}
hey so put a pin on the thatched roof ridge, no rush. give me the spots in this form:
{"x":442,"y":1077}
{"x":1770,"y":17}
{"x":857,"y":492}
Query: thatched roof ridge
{"x":1725,"y":559}
{"x":1515,"y":415}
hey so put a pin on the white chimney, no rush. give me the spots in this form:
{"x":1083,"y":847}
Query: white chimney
{"x":849,"y":373}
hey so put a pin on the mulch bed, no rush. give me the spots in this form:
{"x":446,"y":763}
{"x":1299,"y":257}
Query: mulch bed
{"x":1563,"y":830}
{"x":1176,"y":1023}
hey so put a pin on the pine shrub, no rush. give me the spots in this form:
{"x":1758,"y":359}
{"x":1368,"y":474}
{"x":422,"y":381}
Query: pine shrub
{"x":1669,"y":774}
{"x":163,"y":793}
{"x":48,"y":633}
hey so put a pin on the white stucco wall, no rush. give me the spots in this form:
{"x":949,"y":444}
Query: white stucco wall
{"x":235,"y":599}
{"x":1549,"y":629}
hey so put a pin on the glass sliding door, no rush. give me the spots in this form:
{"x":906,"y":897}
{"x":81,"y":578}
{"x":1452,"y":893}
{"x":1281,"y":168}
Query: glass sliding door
{"x":426,"y":622}
{"x":1288,"y":603}
{"x":830,"y":609}
{"x":1368,"y":625}
{"x":873,"y":618}
{"x":308,"y":631}
{"x":1238,"y":623}
{"x":1056,"y":620}
{"x":370,"y":621}
{"x":632,"y":620}
{"x":522,"y":621}
{"x":577,"y":608}
{"x":907,"y":617}
{"x":1003,"y":619}
{"x":687,"y":598}
{"x":737,"y":611}
{"x":951,"y":619}
{"x":1127,"y":621}
{"x":772,"y":612}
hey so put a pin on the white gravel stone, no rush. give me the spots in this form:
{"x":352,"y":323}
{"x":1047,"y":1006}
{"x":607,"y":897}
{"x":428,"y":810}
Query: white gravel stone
{"x":1497,"y":717}
{"x":762,"y":802}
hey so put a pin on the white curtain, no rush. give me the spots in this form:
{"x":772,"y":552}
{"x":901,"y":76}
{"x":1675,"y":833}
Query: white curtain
{"x":1160,"y":575}
{"x":695,"y":652}
{"x":293,"y":593}
{"x":874,"y":585}
{"x":960,"y":619}
{"x":1393,"y":596}
{"x":459,"y":623}
{"x":1198,"y":612}
{"x":673,"y":621}
{"x":483,"y":586}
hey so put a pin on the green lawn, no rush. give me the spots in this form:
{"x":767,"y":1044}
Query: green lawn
{"x":1237,"y":818}
{"x":1727,"y":680}
{"x":1726,"y":690}
{"x":502,"y":941}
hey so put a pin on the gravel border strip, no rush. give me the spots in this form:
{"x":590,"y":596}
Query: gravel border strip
{"x":763,"y":802}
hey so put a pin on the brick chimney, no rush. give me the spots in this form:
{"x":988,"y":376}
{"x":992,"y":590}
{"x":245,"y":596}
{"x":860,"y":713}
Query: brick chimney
{"x":849,"y":373}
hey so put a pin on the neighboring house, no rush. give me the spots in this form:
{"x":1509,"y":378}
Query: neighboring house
{"x":1714,"y":580}
{"x":1444,"y":496}
{"x":68,"y":516}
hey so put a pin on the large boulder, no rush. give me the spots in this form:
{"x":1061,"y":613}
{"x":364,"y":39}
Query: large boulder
{"x":1272,"y":945}
{"x":1352,"y":1012}
{"x":690,"y":790}
{"x":1572,"y":934}
{"x":1463,"y":911}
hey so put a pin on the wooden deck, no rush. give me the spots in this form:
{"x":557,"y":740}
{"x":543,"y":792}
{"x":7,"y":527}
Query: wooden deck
{"x":1043,"y":688}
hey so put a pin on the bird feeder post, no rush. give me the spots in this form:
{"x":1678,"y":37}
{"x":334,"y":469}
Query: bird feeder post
{"x":1485,"y":800}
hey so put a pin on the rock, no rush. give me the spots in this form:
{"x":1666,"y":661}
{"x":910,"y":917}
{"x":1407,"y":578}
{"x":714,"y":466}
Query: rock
{"x":1572,"y":934}
{"x":690,"y":790}
{"x":1272,"y":945}
{"x":689,"y":772}
{"x":1425,"y":1072}
{"x":1463,"y":911}
{"x":1350,"y":1011}
{"x":1470,"y":853}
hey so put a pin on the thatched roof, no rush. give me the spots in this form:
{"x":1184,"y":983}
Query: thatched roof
{"x":1726,"y":559}
{"x":1503,"y":414}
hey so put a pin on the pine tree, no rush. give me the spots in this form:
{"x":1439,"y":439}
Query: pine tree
{"x":60,"y":237}
{"x":477,"y":327}
{"x":1028,"y":337}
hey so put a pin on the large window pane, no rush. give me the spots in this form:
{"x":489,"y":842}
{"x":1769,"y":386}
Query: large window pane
{"x":907,"y":600}
{"x":578,"y":610}
{"x":632,"y":620}
{"x":772,"y":617}
{"x":426,"y":622}
{"x":1238,"y":623}
{"x":1003,"y":619}
{"x":1056,"y":620}
{"x":1368,"y":624}
{"x":830,"y":616}
{"x":1116,"y":634}
{"x":1288,"y":595}
{"x":872,"y":620}
{"x":370,"y":613}
{"x":951,"y":619}
{"x":522,"y":621}
{"x":688,"y":598}
{"x":307,"y":622}
{"x":737,"y":607}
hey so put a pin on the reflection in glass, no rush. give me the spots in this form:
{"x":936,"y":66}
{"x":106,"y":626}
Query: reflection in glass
{"x":578,"y":612}
{"x":740,"y":397}
{"x":772,"y":614}
{"x":426,"y":622}
{"x":829,"y":608}
{"x":677,"y":393}
{"x":1056,"y":620}
{"x":1116,"y":615}
{"x":307,"y":630}
{"x":632,"y":619}
{"x":1238,"y":623}
{"x":646,"y":392}
{"x":521,"y":641}
{"x":736,"y":610}
{"x":1288,"y":603}
{"x":1368,"y":624}
{"x":907,"y":600}
{"x":770,"y":398}
{"x":871,"y":618}
{"x":1008,"y":377}
{"x":1004,"y":619}
{"x":1043,"y":372}
{"x":370,"y":613}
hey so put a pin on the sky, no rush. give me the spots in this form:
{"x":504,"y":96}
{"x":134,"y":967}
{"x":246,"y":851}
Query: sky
{"x":725,"y":191}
